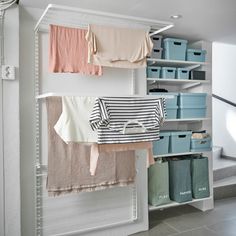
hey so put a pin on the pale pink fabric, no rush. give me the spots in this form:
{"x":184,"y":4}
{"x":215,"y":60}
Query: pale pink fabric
{"x":68,"y":51}
{"x":98,"y":149}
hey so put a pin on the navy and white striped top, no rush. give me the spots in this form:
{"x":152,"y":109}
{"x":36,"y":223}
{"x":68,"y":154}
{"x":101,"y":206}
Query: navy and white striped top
{"x":127,"y":119}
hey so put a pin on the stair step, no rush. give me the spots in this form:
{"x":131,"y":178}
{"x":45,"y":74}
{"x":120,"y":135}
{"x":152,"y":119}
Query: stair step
{"x":225,"y":182}
{"x":224,"y":173}
{"x":222,"y":192}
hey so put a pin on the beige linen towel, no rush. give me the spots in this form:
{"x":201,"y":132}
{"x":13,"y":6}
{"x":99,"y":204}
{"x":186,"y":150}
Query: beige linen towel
{"x":69,"y":164}
{"x":118,"y":47}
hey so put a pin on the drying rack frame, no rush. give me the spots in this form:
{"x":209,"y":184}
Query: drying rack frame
{"x":45,"y":20}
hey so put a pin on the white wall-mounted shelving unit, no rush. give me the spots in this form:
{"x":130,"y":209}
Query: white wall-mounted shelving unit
{"x":198,"y":86}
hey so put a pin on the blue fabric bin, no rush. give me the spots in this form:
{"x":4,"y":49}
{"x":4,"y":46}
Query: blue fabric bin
{"x":153,"y":71}
{"x":161,"y":146}
{"x":196,"y":55}
{"x":180,"y":180}
{"x":191,"y":112}
{"x":203,"y":144}
{"x":168,"y":72}
{"x":182,"y":73}
{"x":180,"y":141}
{"x":157,"y":41}
{"x":192,"y":100}
{"x":175,"y":49}
{"x":156,"y":53}
{"x":171,"y":112}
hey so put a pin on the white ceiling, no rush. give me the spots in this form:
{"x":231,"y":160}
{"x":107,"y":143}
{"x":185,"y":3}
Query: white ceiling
{"x":213,"y":20}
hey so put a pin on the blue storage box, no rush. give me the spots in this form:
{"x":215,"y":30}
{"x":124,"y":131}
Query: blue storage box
{"x":192,"y":100}
{"x":171,"y":112}
{"x":175,"y":49}
{"x":168,"y":72}
{"x":191,"y":112}
{"x":161,"y":146}
{"x":170,"y":102}
{"x":196,"y":55}
{"x":182,"y":73}
{"x":157,"y":41}
{"x":203,"y":144}
{"x":156,"y":53}
{"x":153,"y":71}
{"x":180,"y":141}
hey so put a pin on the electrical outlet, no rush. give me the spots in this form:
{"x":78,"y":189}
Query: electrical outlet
{"x":8,"y":72}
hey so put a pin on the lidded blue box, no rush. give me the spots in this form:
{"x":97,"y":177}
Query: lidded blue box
{"x":191,"y":112}
{"x":196,"y":55}
{"x":161,"y":146}
{"x":182,"y":73}
{"x":168,"y":72}
{"x":157,"y":40}
{"x":153,"y":71}
{"x":180,"y":141}
{"x":192,"y":100}
{"x":203,"y":144}
{"x":171,"y":112}
{"x":175,"y":49}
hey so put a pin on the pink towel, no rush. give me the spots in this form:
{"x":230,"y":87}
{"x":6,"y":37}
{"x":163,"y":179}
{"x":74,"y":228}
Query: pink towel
{"x":68,"y":51}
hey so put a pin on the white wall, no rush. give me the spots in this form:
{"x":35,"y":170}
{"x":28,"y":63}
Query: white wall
{"x":10,"y":148}
{"x":224,"y":84}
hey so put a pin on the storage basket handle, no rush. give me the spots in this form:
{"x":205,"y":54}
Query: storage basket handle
{"x":154,"y":70}
{"x":197,"y":53}
{"x":170,"y":70}
{"x":203,"y":142}
{"x":161,"y":137}
{"x":154,"y":38}
{"x":184,"y":71}
{"x":182,"y":136}
{"x":127,"y":130}
{"x":156,"y":50}
{"x":177,"y":43}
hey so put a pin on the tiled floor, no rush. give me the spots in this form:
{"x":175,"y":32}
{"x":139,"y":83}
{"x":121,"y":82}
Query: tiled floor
{"x":188,"y":221}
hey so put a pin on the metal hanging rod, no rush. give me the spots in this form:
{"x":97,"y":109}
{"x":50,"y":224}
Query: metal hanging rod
{"x":77,"y":17}
{"x":45,"y":95}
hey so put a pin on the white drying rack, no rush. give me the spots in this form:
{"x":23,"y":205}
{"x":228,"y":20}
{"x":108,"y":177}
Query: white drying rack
{"x":45,"y":95}
{"x":76,"y":17}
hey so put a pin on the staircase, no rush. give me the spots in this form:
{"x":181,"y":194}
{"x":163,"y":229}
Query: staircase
{"x":224,"y":175}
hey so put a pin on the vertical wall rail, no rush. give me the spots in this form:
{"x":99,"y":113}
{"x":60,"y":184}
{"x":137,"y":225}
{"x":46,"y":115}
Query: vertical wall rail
{"x":2,"y":176}
{"x":38,"y":179}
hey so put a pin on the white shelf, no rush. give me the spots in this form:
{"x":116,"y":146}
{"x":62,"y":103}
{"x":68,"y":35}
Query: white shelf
{"x":179,"y":154}
{"x":187,"y":120}
{"x":177,"y":63}
{"x":177,"y":81}
{"x":173,"y":204}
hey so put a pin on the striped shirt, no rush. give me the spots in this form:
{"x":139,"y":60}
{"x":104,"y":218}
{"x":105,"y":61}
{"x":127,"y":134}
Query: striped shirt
{"x":127,"y":119}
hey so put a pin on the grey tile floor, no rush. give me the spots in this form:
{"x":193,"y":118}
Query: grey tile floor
{"x":188,"y":221}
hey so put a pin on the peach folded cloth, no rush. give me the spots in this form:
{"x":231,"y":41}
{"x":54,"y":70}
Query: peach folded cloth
{"x":68,"y":51}
{"x":69,"y":164}
{"x":98,"y":149}
{"x":118,"y":47}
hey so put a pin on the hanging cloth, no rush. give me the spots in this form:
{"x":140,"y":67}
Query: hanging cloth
{"x":127,"y":119}
{"x":118,"y":47}
{"x":73,"y":124}
{"x":69,"y":164}
{"x":68,"y":51}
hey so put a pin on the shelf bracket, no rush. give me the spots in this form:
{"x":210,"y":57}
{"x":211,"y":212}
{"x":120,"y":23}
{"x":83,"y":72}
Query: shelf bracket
{"x":188,"y":86}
